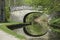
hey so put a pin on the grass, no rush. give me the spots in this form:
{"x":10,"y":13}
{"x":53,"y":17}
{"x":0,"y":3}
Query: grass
{"x":55,"y":25}
{"x":3,"y":26}
{"x":56,"y":20}
{"x":55,"y":30}
{"x":8,"y":24}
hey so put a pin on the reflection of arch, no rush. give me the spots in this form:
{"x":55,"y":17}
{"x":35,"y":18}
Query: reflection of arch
{"x":33,"y":35}
{"x":24,"y":19}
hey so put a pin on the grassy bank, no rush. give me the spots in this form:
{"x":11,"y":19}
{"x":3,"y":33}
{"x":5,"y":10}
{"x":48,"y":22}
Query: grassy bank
{"x":3,"y":26}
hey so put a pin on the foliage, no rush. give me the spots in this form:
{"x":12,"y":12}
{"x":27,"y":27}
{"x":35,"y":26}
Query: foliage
{"x":55,"y":30}
{"x":7,"y":9}
{"x":48,"y":5}
{"x":55,"y":22}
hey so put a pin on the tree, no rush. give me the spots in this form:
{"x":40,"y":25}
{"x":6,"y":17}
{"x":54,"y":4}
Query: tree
{"x":48,"y":5}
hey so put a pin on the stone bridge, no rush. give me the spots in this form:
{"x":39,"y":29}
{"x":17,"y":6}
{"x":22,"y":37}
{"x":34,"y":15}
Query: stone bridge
{"x":18,"y":13}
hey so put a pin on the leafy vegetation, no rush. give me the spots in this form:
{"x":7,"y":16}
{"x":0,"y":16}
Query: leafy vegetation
{"x":7,"y":9}
{"x":48,"y":5}
{"x":55,"y":22}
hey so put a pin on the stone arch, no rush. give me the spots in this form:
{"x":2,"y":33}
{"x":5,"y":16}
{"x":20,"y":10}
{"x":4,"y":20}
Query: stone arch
{"x":18,"y":16}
